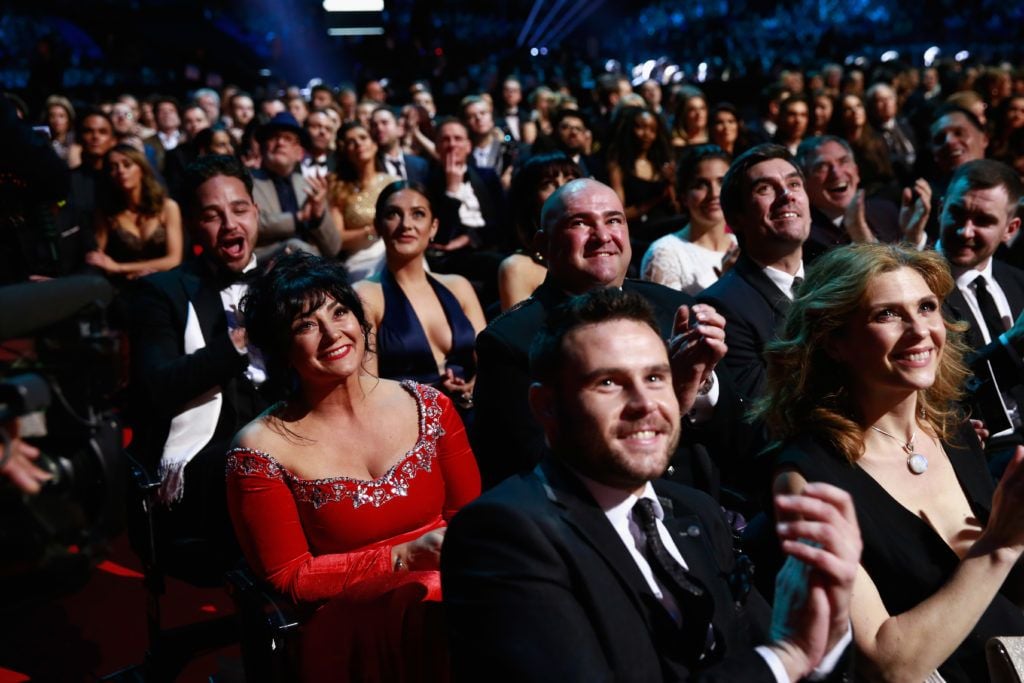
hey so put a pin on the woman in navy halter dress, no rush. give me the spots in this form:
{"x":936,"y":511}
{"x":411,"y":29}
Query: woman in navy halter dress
{"x":425,"y":324}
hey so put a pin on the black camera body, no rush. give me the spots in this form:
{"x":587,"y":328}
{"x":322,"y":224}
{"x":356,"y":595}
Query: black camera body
{"x":62,"y":390}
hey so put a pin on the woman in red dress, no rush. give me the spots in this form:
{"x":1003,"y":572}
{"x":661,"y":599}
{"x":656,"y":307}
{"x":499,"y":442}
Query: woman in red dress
{"x":340,"y":495}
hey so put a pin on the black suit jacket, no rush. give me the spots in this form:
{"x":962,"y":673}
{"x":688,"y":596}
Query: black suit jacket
{"x":166,"y":378}
{"x":883,"y":219}
{"x":995,"y":358}
{"x":539,"y":587}
{"x":487,"y":187}
{"x":507,"y":439}
{"x":754,"y":308}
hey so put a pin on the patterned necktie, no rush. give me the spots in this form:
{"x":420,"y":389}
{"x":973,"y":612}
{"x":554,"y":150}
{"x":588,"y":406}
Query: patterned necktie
{"x":695,"y":603}
{"x":989,"y":310}
{"x":797,"y":281}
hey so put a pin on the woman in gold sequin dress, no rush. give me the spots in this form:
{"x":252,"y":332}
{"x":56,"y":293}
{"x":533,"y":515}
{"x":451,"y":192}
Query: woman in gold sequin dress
{"x":361,"y":178}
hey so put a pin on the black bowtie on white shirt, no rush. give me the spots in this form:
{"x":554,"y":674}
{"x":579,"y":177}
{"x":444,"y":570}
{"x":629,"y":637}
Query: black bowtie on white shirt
{"x":231,"y":298}
{"x":315,"y":167}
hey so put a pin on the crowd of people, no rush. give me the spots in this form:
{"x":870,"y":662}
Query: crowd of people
{"x":568,"y":365}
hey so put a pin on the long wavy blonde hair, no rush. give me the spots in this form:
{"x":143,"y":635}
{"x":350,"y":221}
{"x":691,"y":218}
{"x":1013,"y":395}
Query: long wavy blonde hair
{"x":808,"y":390}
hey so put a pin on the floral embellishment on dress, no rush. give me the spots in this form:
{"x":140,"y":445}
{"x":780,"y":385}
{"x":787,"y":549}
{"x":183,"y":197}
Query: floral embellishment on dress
{"x":393,"y":484}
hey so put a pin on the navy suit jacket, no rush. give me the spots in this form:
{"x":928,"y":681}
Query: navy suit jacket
{"x":417,"y":169}
{"x":883,"y":219}
{"x":539,"y":587}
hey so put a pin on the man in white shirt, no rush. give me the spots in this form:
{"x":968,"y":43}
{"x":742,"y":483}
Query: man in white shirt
{"x":319,"y":161}
{"x":387,"y":133}
{"x":980,"y":213}
{"x":765,"y":201}
{"x":196,"y":382}
{"x":591,"y":568}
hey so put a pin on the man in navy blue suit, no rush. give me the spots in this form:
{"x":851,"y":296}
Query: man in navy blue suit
{"x":765,"y":201}
{"x":385,"y":131}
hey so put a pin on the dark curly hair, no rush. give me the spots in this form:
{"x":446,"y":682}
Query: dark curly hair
{"x":296,"y":285}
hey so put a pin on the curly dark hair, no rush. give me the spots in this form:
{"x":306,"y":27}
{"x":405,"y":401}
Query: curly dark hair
{"x":623,"y":148}
{"x":296,"y":285}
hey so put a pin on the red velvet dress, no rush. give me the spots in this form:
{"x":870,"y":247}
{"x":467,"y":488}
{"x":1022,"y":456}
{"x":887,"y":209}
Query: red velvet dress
{"x":331,"y":539}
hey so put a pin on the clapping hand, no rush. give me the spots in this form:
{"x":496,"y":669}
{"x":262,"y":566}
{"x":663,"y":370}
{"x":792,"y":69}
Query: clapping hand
{"x":820,"y":535}
{"x":915,"y":208}
{"x":696,"y":346}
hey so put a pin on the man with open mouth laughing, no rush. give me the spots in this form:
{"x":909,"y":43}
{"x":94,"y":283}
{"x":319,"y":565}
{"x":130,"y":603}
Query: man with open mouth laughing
{"x":196,"y":382}
{"x":841,"y":212}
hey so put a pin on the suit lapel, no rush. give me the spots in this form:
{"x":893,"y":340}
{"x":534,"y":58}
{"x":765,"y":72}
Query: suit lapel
{"x":959,"y":309}
{"x":205,"y":299}
{"x":755,"y":277}
{"x":583,"y":515}
{"x":1011,"y":287}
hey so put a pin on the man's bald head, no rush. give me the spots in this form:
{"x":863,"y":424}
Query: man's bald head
{"x":584,"y":226}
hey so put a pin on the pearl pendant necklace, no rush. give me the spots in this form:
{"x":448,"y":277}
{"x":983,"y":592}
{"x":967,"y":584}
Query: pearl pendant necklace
{"x":916,"y":462}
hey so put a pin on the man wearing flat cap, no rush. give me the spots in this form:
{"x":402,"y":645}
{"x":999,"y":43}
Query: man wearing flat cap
{"x":293,"y":209}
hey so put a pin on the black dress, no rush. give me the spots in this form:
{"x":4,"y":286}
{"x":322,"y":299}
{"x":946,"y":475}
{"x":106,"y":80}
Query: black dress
{"x":903,"y":555}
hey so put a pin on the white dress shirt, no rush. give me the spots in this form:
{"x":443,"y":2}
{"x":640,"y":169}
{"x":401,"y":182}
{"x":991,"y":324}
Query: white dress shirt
{"x":965,"y":283}
{"x":617,"y":506}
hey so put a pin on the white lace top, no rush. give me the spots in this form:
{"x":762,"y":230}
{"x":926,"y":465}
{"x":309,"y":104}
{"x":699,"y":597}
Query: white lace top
{"x":676,"y":263}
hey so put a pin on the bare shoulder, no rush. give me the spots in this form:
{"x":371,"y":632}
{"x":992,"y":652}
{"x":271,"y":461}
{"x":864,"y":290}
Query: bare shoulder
{"x":458,"y":285}
{"x":372,"y":295}
{"x":262,"y":434}
{"x":514,"y":263}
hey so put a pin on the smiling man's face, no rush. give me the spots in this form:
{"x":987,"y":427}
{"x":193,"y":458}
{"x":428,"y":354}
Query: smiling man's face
{"x":588,"y":239}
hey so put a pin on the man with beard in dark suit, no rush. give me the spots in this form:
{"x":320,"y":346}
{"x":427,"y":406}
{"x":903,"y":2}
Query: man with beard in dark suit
{"x":196,"y":382}
{"x":589,"y":568}
{"x":587,"y":247}
{"x":979,"y":213}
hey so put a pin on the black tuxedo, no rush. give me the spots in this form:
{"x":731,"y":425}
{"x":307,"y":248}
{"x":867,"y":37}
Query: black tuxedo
{"x":539,"y":587}
{"x":993,"y":358}
{"x":507,"y":439}
{"x":166,"y":379}
{"x":882,"y":216}
{"x":753,"y":308}
{"x":487,"y":188}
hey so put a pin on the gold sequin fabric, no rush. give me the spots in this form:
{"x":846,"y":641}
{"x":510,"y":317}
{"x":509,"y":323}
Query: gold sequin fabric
{"x":357,"y":204}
